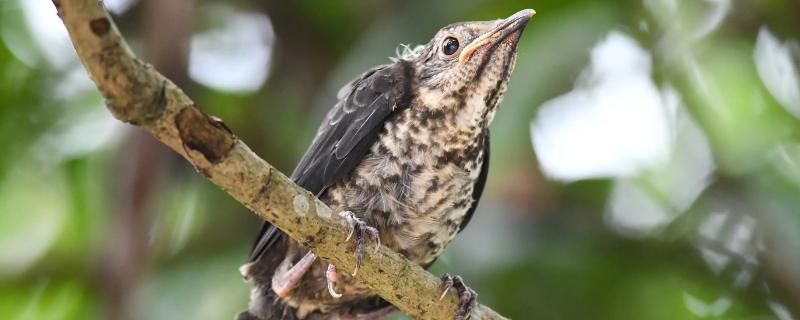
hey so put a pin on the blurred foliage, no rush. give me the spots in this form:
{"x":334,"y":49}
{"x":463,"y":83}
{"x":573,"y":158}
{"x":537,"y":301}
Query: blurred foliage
{"x":537,"y":249}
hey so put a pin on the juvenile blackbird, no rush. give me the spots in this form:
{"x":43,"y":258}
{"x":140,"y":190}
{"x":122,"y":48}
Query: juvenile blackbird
{"x":404,"y":157}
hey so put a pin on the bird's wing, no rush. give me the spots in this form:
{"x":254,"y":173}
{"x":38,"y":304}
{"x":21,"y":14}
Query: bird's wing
{"x":347,"y":133}
{"x":477,"y":190}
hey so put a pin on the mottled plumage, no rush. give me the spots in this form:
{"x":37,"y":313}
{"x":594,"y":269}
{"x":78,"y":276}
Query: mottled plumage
{"x":406,"y":150}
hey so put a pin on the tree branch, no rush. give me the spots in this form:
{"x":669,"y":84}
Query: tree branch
{"x":137,"y":94}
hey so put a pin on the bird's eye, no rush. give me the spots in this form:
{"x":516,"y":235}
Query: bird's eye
{"x":450,"y":46}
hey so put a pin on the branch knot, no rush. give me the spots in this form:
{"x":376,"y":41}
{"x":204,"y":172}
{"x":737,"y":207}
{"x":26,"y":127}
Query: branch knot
{"x":205,"y":134}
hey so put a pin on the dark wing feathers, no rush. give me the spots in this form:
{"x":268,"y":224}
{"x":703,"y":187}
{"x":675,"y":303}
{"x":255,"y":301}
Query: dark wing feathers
{"x":346,"y":133}
{"x":351,"y":127}
{"x":477,"y":190}
{"x":267,"y":237}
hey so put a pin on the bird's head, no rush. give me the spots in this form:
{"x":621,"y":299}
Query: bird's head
{"x":470,"y":62}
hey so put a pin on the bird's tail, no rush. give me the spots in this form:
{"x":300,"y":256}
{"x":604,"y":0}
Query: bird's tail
{"x":264,"y":304}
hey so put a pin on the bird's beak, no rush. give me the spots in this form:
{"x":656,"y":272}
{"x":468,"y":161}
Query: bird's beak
{"x":504,"y":27}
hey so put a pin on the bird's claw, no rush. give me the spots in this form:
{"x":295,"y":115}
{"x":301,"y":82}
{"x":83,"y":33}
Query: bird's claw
{"x":361,"y":230}
{"x":466,"y":296}
{"x":331,"y":276}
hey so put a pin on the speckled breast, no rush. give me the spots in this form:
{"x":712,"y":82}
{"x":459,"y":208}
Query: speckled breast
{"x":415,"y":184}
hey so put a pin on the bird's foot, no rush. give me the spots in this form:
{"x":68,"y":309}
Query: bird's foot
{"x":287,"y":277}
{"x":466,"y":296}
{"x":331,"y":276}
{"x":361,"y":230}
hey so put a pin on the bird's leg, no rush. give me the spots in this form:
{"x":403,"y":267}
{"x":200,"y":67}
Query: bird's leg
{"x":286,"y":277}
{"x":331,"y":275}
{"x":466,"y":296}
{"x":360,"y":229}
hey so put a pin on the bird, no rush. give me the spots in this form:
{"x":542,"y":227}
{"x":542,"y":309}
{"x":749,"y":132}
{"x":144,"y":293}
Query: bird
{"x":403,"y":158}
